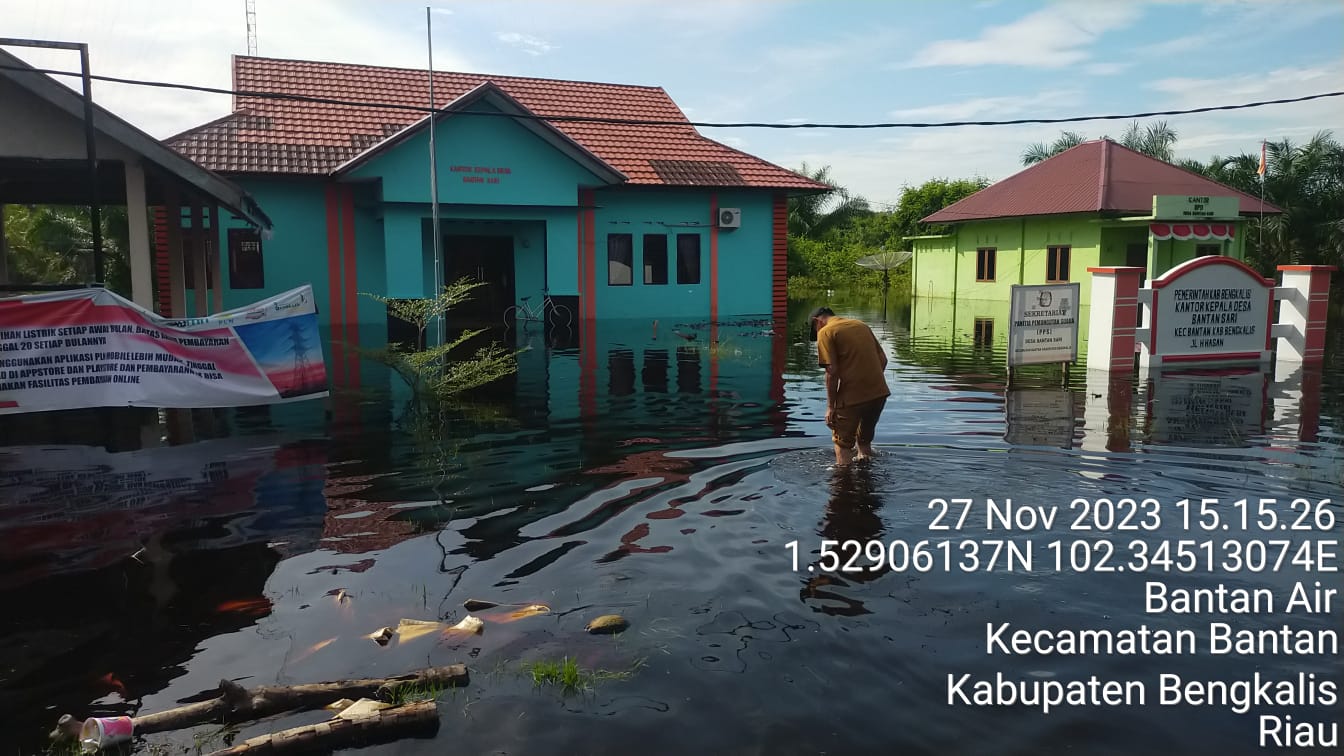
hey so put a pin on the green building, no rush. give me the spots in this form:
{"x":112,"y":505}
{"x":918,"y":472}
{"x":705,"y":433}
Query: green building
{"x":1097,"y":204}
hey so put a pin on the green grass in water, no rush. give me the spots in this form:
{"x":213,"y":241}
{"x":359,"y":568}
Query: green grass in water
{"x":415,"y":692}
{"x":567,"y":675}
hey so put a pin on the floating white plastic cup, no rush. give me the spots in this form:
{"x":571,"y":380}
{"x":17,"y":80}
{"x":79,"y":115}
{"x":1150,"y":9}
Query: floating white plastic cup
{"x":104,"y":732}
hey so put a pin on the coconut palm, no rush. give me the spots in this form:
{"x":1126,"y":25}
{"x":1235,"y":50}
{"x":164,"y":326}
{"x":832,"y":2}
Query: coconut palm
{"x":1155,"y":140}
{"x":1307,"y":182}
{"x":51,"y":244}
{"x":812,"y":216}
{"x":1040,"y":151}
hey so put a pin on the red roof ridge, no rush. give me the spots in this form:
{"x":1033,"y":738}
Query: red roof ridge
{"x":1105,"y":174}
{"x":403,"y":69}
{"x":1096,"y":176}
{"x":1276,"y":209}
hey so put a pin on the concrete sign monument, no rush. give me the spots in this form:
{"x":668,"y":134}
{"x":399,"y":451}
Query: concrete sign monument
{"x":1209,"y":310}
{"x":1206,"y":309}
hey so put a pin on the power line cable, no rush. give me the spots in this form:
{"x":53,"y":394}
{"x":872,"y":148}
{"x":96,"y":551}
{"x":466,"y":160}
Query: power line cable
{"x":698,"y":124}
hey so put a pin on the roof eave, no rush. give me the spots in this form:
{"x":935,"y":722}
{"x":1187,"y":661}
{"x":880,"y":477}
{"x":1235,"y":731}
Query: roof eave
{"x":113,"y":127}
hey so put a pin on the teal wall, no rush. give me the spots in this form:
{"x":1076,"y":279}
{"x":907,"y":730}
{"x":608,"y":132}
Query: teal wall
{"x":536,"y":204}
{"x":296,"y":253}
{"x":744,"y":253}
{"x":538,"y":174}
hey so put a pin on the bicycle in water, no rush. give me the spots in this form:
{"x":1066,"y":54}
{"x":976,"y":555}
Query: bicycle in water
{"x":557,"y":315}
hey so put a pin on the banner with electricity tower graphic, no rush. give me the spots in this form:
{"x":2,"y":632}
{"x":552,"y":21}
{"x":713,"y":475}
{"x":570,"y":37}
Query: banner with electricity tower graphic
{"x":92,"y":348}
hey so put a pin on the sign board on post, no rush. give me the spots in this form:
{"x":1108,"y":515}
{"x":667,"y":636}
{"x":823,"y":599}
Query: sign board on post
{"x":92,"y":348}
{"x":1043,"y":324}
{"x":1190,"y":207}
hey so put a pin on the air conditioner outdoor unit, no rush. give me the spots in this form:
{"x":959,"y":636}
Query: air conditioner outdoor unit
{"x":730,"y":217}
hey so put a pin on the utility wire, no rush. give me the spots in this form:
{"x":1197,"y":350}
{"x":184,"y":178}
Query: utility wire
{"x":657,"y":122}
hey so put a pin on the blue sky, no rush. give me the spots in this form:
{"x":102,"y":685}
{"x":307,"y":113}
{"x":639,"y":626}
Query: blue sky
{"x":781,"y":61}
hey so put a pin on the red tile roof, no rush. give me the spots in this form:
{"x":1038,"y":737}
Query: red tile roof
{"x":1093,"y":177}
{"x":266,"y":135}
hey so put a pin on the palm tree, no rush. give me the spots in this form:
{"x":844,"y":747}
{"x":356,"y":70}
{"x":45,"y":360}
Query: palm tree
{"x":52,"y":244}
{"x":1156,"y":140}
{"x":812,"y":216}
{"x":1306,"y":181}
{"x":1040,"y":151}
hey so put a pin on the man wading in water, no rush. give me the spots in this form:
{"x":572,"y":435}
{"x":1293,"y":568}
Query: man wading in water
{"x":856,"y":387}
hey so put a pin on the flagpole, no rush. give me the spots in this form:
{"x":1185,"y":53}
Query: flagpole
{"x":434,"y":179}
{"x":1260,"y":229}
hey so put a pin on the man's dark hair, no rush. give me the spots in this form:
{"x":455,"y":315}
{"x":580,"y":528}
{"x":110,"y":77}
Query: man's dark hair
{"x":812,"y":319}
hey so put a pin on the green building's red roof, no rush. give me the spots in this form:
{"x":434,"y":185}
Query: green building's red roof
{"x":274,"y":136}
{"x":1094,"y":177}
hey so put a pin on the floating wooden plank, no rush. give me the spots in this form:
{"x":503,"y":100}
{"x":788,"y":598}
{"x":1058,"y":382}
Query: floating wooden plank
{"x":419,"y":718}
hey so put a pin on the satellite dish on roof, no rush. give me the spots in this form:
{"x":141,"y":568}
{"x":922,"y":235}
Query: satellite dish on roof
{"x":885,"y":260}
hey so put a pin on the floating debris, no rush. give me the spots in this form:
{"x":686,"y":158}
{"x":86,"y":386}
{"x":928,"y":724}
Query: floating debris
{"x":382,"y":635}
{"x":254,"y":607}
{"x":475,"y":605}
{"x":312,"y":650}
{"x":469,"y":625}
{"x":607,"y":624}
{"x":410,"y":629}
{"x":533,"y":610}
{"x":364,"y":707}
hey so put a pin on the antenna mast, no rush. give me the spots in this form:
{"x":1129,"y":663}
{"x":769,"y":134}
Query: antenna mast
{"x":251,"y":27}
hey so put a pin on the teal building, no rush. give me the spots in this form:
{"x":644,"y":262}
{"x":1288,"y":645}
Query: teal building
{"x":602,"y":196}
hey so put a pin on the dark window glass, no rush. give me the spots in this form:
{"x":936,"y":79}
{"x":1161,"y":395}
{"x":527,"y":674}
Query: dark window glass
{"x":984,"y":331}
{"x":986,"y":259}
{"x":1204,"y":250}
{"x":655,"y":259}
{"x":688,"y":370}
{"x":688,"y":258}
{"x":655,"y":371}
{"x":621,"y":366}
{"x":245,"y":264}
{"x":620,"y":259}
{"x":1057,"y":264}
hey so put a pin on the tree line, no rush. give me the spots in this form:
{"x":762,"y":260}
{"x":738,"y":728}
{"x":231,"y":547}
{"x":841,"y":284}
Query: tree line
{"x":830,"y":231}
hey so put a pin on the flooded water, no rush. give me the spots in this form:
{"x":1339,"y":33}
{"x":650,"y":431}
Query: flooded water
{"x":688,"y":488}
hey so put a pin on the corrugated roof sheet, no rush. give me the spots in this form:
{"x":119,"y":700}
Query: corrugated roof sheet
{"x":266,"y":135}
{"x":1093,"y":177}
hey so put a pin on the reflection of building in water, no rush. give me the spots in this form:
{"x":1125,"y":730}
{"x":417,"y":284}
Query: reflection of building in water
{"x":79,"y":508}
{"x":943,"y":327}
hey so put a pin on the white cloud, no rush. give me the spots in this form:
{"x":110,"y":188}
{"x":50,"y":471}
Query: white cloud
{"x":1281,"y":83}
{"x":192,"y":43}
{"x":993,"y":108}
{"x":1057,"y":36}
{"x":525,"y":42}
{"x":1182,"y":45}
{"x":1235,"y":131}
{"x":1106,"y":69}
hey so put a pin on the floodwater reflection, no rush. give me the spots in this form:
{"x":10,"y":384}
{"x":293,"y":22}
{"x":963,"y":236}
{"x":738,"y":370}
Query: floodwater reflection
{"x":657,"y":473}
